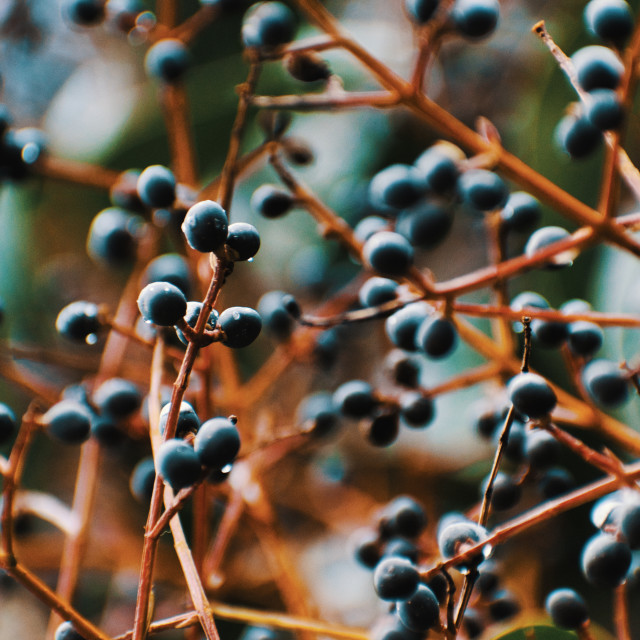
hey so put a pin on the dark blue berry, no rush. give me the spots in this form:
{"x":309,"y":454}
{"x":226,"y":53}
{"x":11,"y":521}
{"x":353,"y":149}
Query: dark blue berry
{"x":368,"y":226}
{"x":117,"y":398}
{"x":79,"y":321}
{"x":402,"y":548}
{"x":439,"y":170}
{"x":503,"y":605}
{"x":585,"y":338}
{"x":473,"y":623}
{"x":506,"y":492}
{"x":366,"y":547}
{"x":167,"y":60}
{"x":549,"y":334}
{"x":421,"y":612}
{"x":123,"y":192}
{"x":113,"y":237}
{"x":402,"y":326}
{"x":404,"y":517}
{"x":605,"y":561}
{"x":488,"y":578}
{"x":383,"y":429}
{"x":7,"y":423}
{"x":398,"y":187}
{"x":395,"y":578}
{"x":521,"y":212}
{"x":604,"y":110}
{"x":421,"y":11}
{"x":243,"y":239}
{"x":388,"y":253}
{"x":629,"y":518}
{"x":403,"y":369}
{"x":476,"y":18}
{"x":481,"y":189}
{"x":531,"y":395}
{"x":354,"y":399}
{"x":188,"y":421}
{"x":426,"y":225}
{"x":575,"y":305}
{"x":457,"y":536}
{"x":318,"y":414}
{"x":178,"y":463}
{"x":123,"y":13}
{"x":436,"y":336}
{"x":240,"y":325}
{"x":157,"y":186}
{"x":542,"y":450}
{"x":162,"y":303}
{"x":555,"y":482}
{"x":544,"y":237}
{"x":416,"y":409}
{"x":267,"y":25}
{"x":597,"y":67}
{"x":68,"y":421}
{"x":84,"y":12}
{"x":605,"y":382}
{"x":205,"y":226}
{"x":577,"y":137}
{"x":106,"y":431}
{"x":376,"y":291}
{"x":275,"y":317}
{"x":217,"y":443}
{"x":271,"y":201}
{"x":66,"y":631}
{"x":171,"y":268}
{"x":142,"y":480}
{"x":515,"y":449}
{"x":305,"y":67}
{"x":567,"y":609}
{"x":191,"y":318}
{"x":610,"y":20}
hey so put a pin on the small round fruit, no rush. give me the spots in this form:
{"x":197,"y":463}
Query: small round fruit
{"x":597,"y":67}
{"x":476,"y":18}
{"x":544,"y":237}
{"x":191,"y":318}
{"x":436,"y":336}
{"x":79,"y":321}
{"x":376,"y":291}
{"x":113,"y":237}
{"x":317,"y":413}
{"x":157,"y":186}
{"x":401,"y":327}
{"x":426,"y":225}
{"x":117,"y":398}
{"x":68,"y":421}
{"x":395,"y":578}
{"x":506,"y":492}
{"x":403,"y":517}
{"x":482,"y":190}
{"x":240,"y":326}
{"x":416,"y":409}
{"x":604,"y":110}
{"x":188,"y":421}
{"x":243,"y":239}
{"x":606,"y":382}
{"x":421,"y":612}
{"x":162,"y":303}
{"x":388,"y":253}
{"x":585,"y":338}
{"x":458,"y":535}
{"x":66,"y":631}
{"x":439,"y":170}
{"x":609,"y":19}
{"x":142,"y":480}
{"x":267,"y":25}
{"x":567,"y":609}
{"x":171,"y":268}
{"x":398,"y":186}
{"x":605,"y":561}
{"x":271,"y":201}
{"x":167,"y":60}
{"x":421,"y":11}
{"x":354,"y":399}
{"x":275,"y":317}
{"x":521,"y":212}
{"x":86,"y":13}
{"x":205,"y":226}
{"x":178,"y":464}
{"x":7,"y":423}
{"x":217,"y":443}
{"x":531,"y":395}
{"x":577,"y":136}
{"x":383,"y":429}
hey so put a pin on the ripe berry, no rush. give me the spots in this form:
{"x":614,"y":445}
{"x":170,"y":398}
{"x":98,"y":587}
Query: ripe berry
{"x":609,"y":19}
{"x":106,"y":431}
{"x":460,"y":534}
{"x":157,"y":186}
{"x":113,"y":237}
{"x":577,"y":136}
{"x":243,"y":239}
{"x":438,"y":169}
{"x":521,"y":212}
{"x":354,"y":399}
{"x":421,"y":612}
{"x":416,"y":409}
{"x":476,"y":18}
{"x":68,"y":421}
{"x":383,"y":429}
{"x":84,"y":12}
{"x":276,"y":318}
{"x":240,"y":326}
{"x":317,"y":413}
{"x":402,"y":548}
{"x":567,"y":609}
{"x":481,"y":189}
{"x":171,"y":268}
{"x":531,"y":395}
{"x":585,"y":338}
{"x":506,"y":492}
{"x":605,"y":561}
{"x":597,"y":67}
{"x":605,"y":382}
{"x":271,"y":201}
{"x":436,"y":336}
{"x":267,"y":25}
{"x":205,"y":226}
{"x":544,"y":237}
{"x":401,"y":327}
{"x":549,"y":334}
{"x":167,"y":60}
{"x":398,"y":186}
{"x":388,"y":253}
{"x":473,"y":623}
{"x":376,"y":291}
{"x":162,"y":303}
{"x":395,"y":578}
{"x":217,"y":443}
{"x":503,"y":605}
{"x":188,"y":421}
{"x":366,"y":547}
{"x":542,"y":450}
{"x":7,"y":423}
{"x":629,"y":518}
{"x":403,"y":517}
{"x":79,"y":321}
{"x":117,"y":398}
{"x":555,"y":482}
{"x":307,"y":67}
{"x":191,"y":318}
{"x":66,"y":631}
{"x":604,"y":110}
{"x":421,"y":11}
{"x":178,"y":463}
{"x":403,"y":369}
{"x":426,"y":225}
{"x":142,"y":480}
{"x":368,"y":226}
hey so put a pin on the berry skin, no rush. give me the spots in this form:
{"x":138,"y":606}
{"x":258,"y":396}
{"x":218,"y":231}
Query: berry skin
{"x":597,"y":67}
{"x":271,"y":201}
{"x":567,"y":609}
{"x":307,"y":67}
{"x":476,"y":18}
{"x":318,"y":413}
{"x":604,"y":110}
{"x":577,"y":136}
{"x":162,"y":303}
{"x":117,"y":398}
{"x":7,"y":423}
{"x":585,"y":338}
{"x":403,"y":369}
{"x":383,"y":430}
{"x":403,"y":517}
{"x":205,"y":226}
{"x":388,"y":253}
{"x":376,"y":291}
{"x":549,"y":334}
{"x":171,"y":268}
{"x":402,"y":548}
{"x":421,"y":11}
{"x":629,"y":518}
{"x":605,"y":561}
{"x":503,"y":605}
{"x":217,"y":443}
{"x":426,"y":225}
{"x":157,"y":186}
{"x":531,"y":395}
{"x":85,"y":13}
{"x":416,"y":409}
{"x":167,"y":60}
{"x":609,"y":19}
{"x":191,"y":318}
{"x":142,"y":480}
{"x":368,"y":226}
{"x":461,"y":533}
{"x":243,"y":239}
{"x":506,"y":493}
{"x":241,"y":326}
{"x":473,"y":623}
{"x":544,"y":237}
{"x":66,"y":631}
{"x":188,"y":421}
{"x":68,"y":421}
{"x":354,"y":399}
{"x":113,"y":237}
{"x":555,"y":482}
{"x":605,"y":382}
{"x":421,"y":612}
{"x":482,"y":190}
{"x":79,"y":321}
{"x":398,"y":186}
{"x":542,"y":450}
{"x":366,"y":546}
{"x":521,"y":212}
{"x":402,"y":326}
{"x":438,"y":169}
{"x":267,"y":25}
{"x":178,"y":464}
{"x":395,"y":578}
{"x":275,"y":317}
{"x":436,"y":337}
